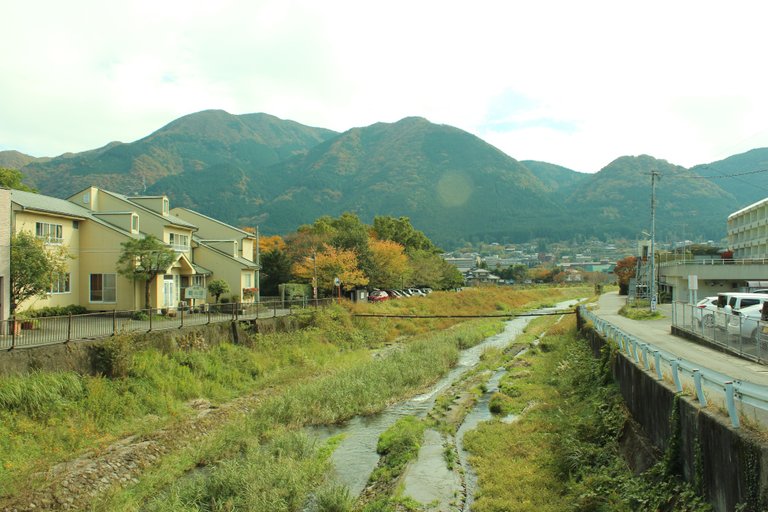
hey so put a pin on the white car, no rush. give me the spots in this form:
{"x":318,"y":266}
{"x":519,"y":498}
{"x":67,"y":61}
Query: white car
{"x":705,"y":310}
{"x":747,"y":324}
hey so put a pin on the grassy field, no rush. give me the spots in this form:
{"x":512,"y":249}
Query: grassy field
{"x":324,"y":373}
{"x":562,"y":452}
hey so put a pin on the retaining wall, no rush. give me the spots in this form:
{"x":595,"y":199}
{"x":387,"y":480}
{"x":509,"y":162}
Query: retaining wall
{"x":76,"y":355}
{"x":730,"y":465}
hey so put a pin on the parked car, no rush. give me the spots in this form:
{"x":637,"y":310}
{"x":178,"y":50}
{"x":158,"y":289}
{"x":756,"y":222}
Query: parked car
{"x":394,"y":294}
{"x":704,"y":312}
{"x":730,"y":303}
{"x":747,"y":323}
{"x":415,"y":292}
{"x":378,"y":296}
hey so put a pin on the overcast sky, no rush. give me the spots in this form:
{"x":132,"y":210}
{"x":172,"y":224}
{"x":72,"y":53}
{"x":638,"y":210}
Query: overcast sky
{"x":575,"y":83}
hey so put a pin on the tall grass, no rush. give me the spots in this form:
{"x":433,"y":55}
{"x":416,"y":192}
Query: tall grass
{"x":562,"y":453}
{"x":320,"y":374}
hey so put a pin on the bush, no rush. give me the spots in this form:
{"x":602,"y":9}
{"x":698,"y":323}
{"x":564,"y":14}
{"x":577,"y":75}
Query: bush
{"x":47,"y":311}
{"x":114,"y":357}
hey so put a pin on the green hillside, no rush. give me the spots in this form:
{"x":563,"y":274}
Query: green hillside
{"x":257,"y":169}
{"x":191,"y":144}
{"x":559,"y":180}
{"x":450,"y":183}
{"x":747,"y":188}
{"x":617,"y":200}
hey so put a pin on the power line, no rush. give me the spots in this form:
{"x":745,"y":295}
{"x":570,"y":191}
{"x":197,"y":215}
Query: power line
{"x":701,"y":177}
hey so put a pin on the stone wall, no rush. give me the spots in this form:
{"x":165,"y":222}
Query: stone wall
{"x":77,"y":355}
{"x":730,"y":464}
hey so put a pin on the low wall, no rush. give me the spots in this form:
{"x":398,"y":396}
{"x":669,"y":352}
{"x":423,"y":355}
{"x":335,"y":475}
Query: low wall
{"x":77,"y":354}
{"x":729,"y":465}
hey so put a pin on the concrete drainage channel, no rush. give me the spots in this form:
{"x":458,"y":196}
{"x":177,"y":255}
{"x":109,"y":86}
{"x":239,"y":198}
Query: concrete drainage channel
{"x":427,"y":480}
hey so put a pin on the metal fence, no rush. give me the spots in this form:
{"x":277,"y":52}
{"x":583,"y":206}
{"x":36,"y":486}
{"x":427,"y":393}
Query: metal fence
{"x":745,"y":336}
{"x":681,"y":371}
{"x":33,"y":332}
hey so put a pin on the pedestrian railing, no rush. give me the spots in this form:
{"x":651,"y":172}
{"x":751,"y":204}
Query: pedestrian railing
{"x":680,"y":370}
{"x":745,"y":336}
{"x":33,"y":332}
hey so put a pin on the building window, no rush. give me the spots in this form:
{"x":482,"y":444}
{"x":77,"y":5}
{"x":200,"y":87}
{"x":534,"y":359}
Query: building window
{"x":198,"y":281}
{"x":102,"y":287}
{"x":49,"y":233}
{"x":179,"y":242}
{"x":134,"y":223}
{"x":248,"y":280}
{"x":75,"y":224}
{"x":60,"y":283}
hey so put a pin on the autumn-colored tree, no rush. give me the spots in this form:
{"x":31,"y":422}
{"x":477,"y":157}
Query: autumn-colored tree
{"x":328,"y":264}
{"x":625,"y":269}
{"x":389,"y":266}
{"x":542,"y":274}
{"x":269,"y":243}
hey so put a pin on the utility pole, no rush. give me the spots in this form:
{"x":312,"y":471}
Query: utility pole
{"x":654,"y":173}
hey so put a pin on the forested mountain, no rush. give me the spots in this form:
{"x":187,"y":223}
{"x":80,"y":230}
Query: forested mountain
{"x":617,"y":200}
{"x":258,"y":169}
{"x":192,"y":144}
{"x":737,"y":175}
{"x":559,"y":180}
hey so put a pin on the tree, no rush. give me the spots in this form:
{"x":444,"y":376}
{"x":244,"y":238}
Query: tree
{"x":516,"y":272}
{"x":402,"y":231}
{"x":275,"y":270}
{"x":330,"y":263}
{"x":217,"y":287}
{"x":11,"y":178}
{"x":144,"y":259}
{"x":33,"y":267}
{"x":625,"y":269}
{"x":427,"y":269}
{"x":389,"y":264}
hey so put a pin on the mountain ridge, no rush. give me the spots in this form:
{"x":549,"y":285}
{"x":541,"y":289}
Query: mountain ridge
{"x":259,"y":169}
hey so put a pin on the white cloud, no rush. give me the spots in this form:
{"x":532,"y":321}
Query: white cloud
{"x":572,"y":83}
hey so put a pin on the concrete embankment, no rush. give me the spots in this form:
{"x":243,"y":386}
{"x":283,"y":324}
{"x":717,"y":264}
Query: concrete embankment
{"x":729,"y":466}
{"x":78,"y":355}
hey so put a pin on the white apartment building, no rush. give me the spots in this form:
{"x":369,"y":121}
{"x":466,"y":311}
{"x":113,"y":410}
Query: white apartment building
{"x":748,"y":231}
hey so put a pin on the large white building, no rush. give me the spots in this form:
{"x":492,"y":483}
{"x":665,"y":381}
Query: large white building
{"x":748,"y":231}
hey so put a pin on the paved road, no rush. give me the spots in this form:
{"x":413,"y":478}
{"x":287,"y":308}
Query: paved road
{"x":658,"y":333}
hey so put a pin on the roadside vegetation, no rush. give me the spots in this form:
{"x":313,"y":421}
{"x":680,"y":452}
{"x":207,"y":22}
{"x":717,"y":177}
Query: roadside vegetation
{"x":562,"y":453}
{"x":324,"y":373}
{"x":640,"y":310}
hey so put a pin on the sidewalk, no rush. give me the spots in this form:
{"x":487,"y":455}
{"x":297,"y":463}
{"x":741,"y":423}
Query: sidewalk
{"x":658,"y":333}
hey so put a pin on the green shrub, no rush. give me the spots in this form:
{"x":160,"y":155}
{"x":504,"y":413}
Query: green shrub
{"x":114,"y":357}
{"x":47,"y":311}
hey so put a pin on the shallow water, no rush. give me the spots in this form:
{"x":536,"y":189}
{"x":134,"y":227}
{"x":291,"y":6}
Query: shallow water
{"x":355,"y":458}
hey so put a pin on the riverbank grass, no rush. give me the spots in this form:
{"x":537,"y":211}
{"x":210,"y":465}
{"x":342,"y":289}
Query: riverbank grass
{"x":562,"y":452}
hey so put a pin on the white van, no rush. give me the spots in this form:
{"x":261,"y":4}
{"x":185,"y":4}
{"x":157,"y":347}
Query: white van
{"x":729,"y":304}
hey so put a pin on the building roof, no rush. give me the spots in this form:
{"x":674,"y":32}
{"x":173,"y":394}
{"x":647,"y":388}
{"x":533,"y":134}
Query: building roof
{"x":171,"y":218}
{"x":244,"y":262}
{"x":48,"y":204}
{"x":750,"y":207}
{"x":217,"y":221}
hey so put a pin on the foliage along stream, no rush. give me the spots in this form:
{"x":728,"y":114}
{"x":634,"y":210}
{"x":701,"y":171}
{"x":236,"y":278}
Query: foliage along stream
{"x":428,"y":480}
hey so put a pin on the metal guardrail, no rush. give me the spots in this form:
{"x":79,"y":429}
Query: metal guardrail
{"x":35,"y":332}
{"x":714,"y":261}
{"x":653,"y":358}
{"x":743,"y":336}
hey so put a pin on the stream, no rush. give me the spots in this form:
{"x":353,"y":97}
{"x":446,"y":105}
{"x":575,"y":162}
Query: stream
{"x":428,"y":479}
